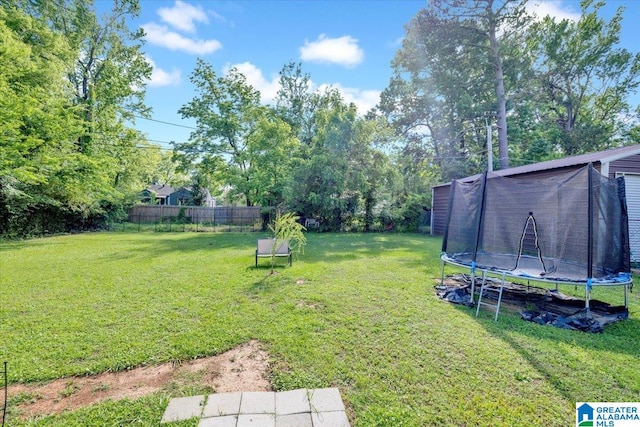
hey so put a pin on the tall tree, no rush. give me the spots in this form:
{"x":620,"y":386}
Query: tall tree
{"x":272,"y":149}
{"x":450,"y":77}
{"x":584,"y":79}
{"x":320,"y":182}
{"x":38,"y":122}
{"x":237,"y":139}
{"x":345,"y":170}
{"x":299,"y":103}
{"x":96,"y":155}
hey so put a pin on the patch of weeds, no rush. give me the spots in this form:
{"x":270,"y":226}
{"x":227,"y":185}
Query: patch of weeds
{"x":24,"y":397}
{"x":521,"y":376}
{"x":311,"y":305}
{"x":189,"y":384}
{"x":99,"y":388}
{"x":69,"y":389}
{"x":289,"y":380}
{"x":181,"y":389}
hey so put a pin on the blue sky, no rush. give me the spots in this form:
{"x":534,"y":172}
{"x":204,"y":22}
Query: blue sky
{"x":346,"y":44}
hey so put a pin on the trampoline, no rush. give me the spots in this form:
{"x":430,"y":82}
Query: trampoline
{"x":570,"y":228}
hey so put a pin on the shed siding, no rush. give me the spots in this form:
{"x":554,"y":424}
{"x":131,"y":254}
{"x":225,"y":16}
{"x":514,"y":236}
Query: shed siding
{"x":440,"y":209}
{"x":630,"y":168}
{"x":629,"y":164}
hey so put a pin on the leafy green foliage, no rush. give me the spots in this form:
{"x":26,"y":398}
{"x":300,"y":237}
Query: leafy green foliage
{"x":343,"y":173}
{"x":583,"y":80}
{"x":237,"y":140}
{"x":286,"y":227}
{"x":68,"y":82}
{"x":559,"y":87}
{"x":449,"y":77}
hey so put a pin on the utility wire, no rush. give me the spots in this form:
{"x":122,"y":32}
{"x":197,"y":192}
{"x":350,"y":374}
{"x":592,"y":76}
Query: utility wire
{"x":165,"y":123}
{"x":161,"y":142}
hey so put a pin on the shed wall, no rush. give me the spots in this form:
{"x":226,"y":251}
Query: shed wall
{"x":439,"y":209}
{"x":629,"y":164}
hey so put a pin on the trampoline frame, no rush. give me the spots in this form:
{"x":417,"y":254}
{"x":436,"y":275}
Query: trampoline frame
{"x":588,"y":284}
{"x":616,"y":273}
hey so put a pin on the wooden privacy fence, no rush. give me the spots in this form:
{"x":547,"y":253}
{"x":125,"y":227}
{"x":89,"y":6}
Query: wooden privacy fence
{"x":222,"y":215}
{"x":193,"y":218}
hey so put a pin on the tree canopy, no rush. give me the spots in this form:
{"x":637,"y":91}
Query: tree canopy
{"x":548,"y":87}
{"x":68,"y":81}
{"x":71,"y":84}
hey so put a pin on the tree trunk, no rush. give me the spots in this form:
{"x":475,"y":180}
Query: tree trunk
{"x":501,"y":98}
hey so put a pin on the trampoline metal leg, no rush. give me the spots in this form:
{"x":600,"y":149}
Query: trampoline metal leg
{"x":626,"y":296}
{"x":473,"y":282}
{"x":442,"y":275}
{"x":484,"y":278}
{"x":499,"y":298}
{"x":587,"y":297}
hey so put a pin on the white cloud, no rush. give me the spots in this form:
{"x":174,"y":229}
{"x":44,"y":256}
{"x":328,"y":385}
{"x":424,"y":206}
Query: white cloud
{"x":554,"y":8}
{"x":162,"y":36}
{"x":160,"y":77}
{"x":183,"y":16}
{"x":342,"y":51}
{"x":268,"y":88}
{"x":364,"y":100}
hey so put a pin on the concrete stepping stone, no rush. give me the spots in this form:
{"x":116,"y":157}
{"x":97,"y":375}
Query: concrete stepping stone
{"x":224,"y":421}
{"x":325,"y":399}
{"x":330,"y":419}
{"x":256,"y":420}
{"x":292,"y":402}
{"x":222,"y":404}
{"x":294,"y":408}
{"x":258,"y":402}
{"x":294,"y":420}
{"x":183,"y":408}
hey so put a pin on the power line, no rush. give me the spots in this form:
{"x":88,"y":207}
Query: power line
{"x":160,"y":142}
{"x":152,"y":147}
{"x":165,"y":123}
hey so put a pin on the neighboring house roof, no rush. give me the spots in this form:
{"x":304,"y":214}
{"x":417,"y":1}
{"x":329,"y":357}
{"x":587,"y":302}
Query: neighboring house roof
{"x":169,"y":193}
{"x":603,"y":157}
{"x":161,"y":190}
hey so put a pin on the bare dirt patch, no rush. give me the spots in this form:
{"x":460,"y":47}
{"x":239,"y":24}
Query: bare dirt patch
{"x":244,"y":368}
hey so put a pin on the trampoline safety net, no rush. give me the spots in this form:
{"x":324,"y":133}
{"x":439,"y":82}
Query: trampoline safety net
{"x":569,"y":227}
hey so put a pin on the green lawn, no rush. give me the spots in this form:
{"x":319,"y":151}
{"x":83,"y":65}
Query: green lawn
{"x":366,"y":320}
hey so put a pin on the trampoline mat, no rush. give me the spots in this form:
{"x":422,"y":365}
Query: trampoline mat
{"x":527,"y":266}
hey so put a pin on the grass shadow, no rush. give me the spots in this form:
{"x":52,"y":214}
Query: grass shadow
{"x":270,"y":282}
{"x":560,"y":355}
{"x":161,"y":244}
{"x":366,"y":246}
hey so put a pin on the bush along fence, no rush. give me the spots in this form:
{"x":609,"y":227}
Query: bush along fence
{"x":195,"y":218}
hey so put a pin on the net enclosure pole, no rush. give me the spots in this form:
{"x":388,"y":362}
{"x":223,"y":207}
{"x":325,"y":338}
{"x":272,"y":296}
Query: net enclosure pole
{"x":480,"y":217}
{"x":480,"y":224}
{"x":587,"y":293}
{"x":478,"y":234}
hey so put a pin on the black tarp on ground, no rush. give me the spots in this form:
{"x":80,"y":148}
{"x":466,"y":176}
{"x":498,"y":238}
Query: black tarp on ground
{"x":536,"y":304}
